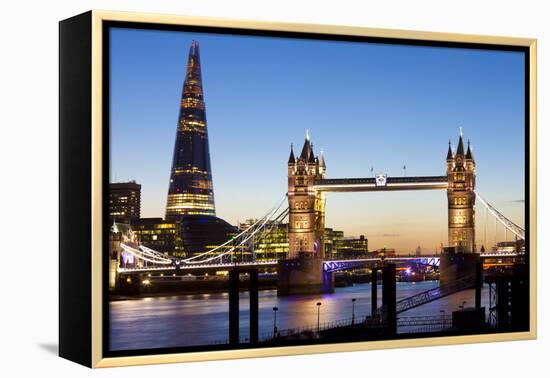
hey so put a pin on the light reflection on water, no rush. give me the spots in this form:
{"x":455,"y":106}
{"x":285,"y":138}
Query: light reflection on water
{"x":202,"y":319}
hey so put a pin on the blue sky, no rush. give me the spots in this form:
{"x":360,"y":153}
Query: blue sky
{"x":364,"y":104}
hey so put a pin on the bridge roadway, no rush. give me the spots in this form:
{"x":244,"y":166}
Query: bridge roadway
{"x":328,"y":265}
{"x":369,"y":184}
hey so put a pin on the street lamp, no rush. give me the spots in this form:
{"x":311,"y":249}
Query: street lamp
{"x":462,"y":305}
{"x":275,"y":309}
{"x":353,"y":311}
{"x":318,"y":316}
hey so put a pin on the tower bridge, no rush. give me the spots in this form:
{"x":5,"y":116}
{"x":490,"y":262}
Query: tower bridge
{"x":306,"y":269}
{"x":308,"y":183}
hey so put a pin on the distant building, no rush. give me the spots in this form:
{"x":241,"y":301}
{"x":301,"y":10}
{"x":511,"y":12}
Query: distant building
{"x":272,"y":246}
{"x":201,"y":233}
{"x":157,"y":234}
{"x":247,"y":223}
{"x":385,"y":252}
{"x":418,"y":251}
{"x":275,"y":245}
{"x":353,"y":246}
{"x":510,"y":246}
{"x":124,"y":201}
{"x":333,"y":242}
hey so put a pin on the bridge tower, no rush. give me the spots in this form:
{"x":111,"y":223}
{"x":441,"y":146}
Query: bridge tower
{"x":461,"y":174}
{"x":460,"y":258}
{"x":307,"y":206}
{"x":302,"y":272}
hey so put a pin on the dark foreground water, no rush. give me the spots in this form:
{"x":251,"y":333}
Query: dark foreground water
{"x":202,"y":319}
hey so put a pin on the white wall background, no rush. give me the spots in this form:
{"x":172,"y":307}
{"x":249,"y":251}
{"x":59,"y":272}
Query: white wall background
{"x":28,"y":199}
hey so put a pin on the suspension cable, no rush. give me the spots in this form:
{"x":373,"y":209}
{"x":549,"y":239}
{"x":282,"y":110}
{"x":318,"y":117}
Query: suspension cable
{"x":153,"y":253}
{"x":139,"y":255}
{"x":273,"y":224}
{"x":234,"y":247}
{"x":514,"y":228}
{"x":269,"y":214}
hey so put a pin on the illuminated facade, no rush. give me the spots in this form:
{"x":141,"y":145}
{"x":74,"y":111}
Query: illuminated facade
{"x":276,"y":246}
{"x":190,"y":190}
{"x":351,"y":247}
{"x":124,"y":201}
{"x":306,"y":205}
{"x":333,"y":242}
{"x":461,"y":175}
{"x":157,"y":234}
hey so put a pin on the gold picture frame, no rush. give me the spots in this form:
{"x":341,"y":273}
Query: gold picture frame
{"x":93,"y":27}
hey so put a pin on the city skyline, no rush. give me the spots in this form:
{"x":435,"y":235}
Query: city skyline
{"x":250,"y":134}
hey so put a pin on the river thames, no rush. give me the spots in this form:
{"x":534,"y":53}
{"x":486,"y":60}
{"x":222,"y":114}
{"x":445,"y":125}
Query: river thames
{"x":202,"y":319}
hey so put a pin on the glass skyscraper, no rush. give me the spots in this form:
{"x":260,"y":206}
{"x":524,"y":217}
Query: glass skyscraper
{"x":190,"y":191}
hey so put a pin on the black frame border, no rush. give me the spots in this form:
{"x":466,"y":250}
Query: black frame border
{"x":75,"y":183}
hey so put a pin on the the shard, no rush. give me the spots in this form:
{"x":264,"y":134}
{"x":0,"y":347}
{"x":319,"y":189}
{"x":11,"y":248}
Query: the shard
{"x":190,"y":191}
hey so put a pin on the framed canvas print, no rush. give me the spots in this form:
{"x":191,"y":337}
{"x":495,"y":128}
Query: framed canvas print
{"x":235,"y":189}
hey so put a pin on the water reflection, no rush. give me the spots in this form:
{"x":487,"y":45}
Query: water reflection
{"x":202,"y":319}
